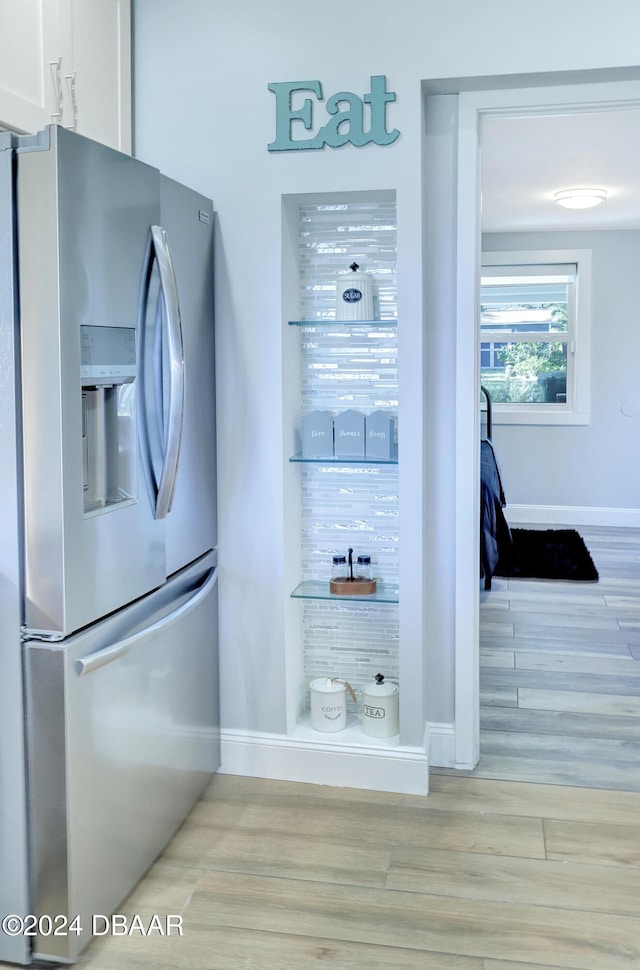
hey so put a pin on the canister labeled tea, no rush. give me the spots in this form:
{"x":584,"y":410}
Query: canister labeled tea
{"x":380,"y":708}
{"x":354,"y":298}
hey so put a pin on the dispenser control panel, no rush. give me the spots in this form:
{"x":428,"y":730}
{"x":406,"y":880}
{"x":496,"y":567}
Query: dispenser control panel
{"x":108,"y":355}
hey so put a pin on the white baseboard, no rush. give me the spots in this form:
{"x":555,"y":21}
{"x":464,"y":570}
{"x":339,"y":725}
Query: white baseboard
{"x":569,"y":515}
{"x":387,"y":767}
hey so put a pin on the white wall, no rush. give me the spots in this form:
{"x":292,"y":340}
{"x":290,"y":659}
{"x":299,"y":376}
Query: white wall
{"x":572,"y":466}
{"x":204,"y":114}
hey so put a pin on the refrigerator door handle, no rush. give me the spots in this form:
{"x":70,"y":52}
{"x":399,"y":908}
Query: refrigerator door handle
{"x":145,"y":411}
{"x":116,"y":650}
{"x":175,"y":347}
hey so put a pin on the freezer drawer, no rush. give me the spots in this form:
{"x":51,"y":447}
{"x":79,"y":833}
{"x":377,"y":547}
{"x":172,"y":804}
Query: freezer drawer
{"x":123,"y":737}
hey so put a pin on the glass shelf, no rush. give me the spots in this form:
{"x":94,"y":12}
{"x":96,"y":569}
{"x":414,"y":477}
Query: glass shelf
{"x":345,"y":461}
{"x":318,"y":589}
{"x":392,"y":322}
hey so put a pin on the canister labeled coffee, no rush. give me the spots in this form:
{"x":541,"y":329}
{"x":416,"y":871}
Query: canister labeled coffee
{"x":329,"y":704}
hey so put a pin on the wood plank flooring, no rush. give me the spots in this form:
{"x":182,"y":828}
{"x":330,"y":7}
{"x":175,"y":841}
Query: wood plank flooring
{"x":479,"y":875}
{"x":560,"y":673}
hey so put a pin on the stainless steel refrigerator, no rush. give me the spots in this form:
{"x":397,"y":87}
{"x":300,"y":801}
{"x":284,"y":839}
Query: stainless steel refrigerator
{"x":108,"y":600}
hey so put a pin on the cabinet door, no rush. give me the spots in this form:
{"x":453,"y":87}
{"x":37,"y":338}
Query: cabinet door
{"x":30,"y":72}
{"x":98,"y":85}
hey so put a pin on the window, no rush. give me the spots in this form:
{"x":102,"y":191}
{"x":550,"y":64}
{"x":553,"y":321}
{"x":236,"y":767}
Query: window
{"x":534,"y":336}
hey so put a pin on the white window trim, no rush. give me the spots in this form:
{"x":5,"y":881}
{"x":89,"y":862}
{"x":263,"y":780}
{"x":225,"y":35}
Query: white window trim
{"x":577,"y":410}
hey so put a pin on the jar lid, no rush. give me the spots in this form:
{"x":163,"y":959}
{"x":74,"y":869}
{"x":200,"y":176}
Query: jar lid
{"x":364,"y":559}
{"x":339,"y":560}
{"x":380,"y":688}
{"x":327,"y":685}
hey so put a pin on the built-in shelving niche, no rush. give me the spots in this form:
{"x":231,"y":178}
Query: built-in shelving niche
{"x":345,"y":503}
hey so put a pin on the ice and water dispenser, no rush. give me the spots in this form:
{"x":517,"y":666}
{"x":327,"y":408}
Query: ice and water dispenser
{"x":108,"y":372}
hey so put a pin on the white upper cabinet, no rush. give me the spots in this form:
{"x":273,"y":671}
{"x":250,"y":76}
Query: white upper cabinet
{"x":101,"y":74}
{"x":28,"y":64}
{"x":67,"y":62}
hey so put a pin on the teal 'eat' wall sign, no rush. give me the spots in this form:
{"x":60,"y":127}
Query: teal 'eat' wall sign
{"x":347,"y":120}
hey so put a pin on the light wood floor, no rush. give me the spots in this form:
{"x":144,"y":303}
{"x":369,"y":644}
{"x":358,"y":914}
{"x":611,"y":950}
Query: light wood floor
{"x":479,"y":875}
{"x":484,"y":873}
{"x":560,"y":673}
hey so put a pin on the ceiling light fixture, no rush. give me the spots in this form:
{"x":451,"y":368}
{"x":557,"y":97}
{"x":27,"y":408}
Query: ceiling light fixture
{"x":580,"y":198}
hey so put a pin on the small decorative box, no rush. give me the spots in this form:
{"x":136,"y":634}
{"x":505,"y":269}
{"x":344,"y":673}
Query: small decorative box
{"x":380,"y":435}
{"x":349,"y":434}
{"x":317,"y":434}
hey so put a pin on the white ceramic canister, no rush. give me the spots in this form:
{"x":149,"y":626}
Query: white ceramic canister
{"x":380,"y":708}
{"x":354,"y":296}
{"x":328,"y":704}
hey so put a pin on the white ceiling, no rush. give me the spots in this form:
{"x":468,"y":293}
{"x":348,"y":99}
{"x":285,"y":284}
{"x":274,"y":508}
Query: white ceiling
{"x":526,"y":160}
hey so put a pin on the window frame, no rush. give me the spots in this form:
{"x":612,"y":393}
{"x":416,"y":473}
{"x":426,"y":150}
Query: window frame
{"x":576,"y":409}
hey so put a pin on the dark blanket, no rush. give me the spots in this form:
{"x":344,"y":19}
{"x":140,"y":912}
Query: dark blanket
{"x":495,"y":535}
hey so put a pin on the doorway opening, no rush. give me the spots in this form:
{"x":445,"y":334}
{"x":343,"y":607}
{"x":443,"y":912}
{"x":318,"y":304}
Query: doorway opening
{"x":558,"y":678}
{"x":473,"y":108}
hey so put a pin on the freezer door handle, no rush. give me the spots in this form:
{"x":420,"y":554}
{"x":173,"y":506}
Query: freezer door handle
{"x":175,"y":347}
{"x":85,"y":665}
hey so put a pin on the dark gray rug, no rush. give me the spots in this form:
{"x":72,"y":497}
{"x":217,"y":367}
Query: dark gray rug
{"x":547,"y":554}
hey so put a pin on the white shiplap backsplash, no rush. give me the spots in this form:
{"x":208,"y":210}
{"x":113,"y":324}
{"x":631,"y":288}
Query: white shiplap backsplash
{"x":351,"y":505}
